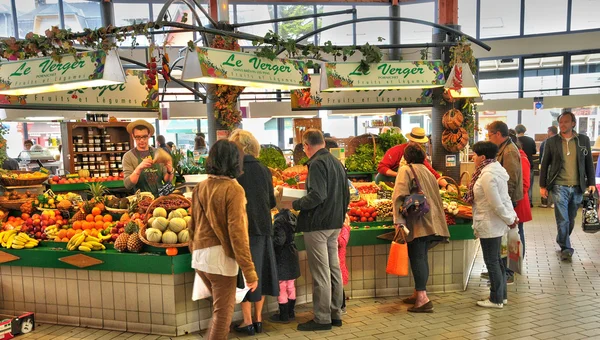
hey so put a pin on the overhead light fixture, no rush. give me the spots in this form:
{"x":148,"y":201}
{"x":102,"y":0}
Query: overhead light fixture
{"x":277,"y":110}
{"x":49,"y":118}
{"x":221,"y":67}
{"x":461,"y":83}
{"x":388,"y":75}
{"x":43,"y":75}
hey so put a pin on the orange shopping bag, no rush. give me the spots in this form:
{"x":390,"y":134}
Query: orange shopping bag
{"x":398,"y":259}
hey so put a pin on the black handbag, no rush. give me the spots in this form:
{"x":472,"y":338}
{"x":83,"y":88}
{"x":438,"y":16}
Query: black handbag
{"x":589,"y":219}
{"x":415,"y":204}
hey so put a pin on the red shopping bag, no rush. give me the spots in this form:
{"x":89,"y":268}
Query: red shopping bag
{"x":398,"y":259}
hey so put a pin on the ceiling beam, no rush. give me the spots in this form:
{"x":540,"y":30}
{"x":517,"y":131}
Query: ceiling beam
{"x":300,"y":2}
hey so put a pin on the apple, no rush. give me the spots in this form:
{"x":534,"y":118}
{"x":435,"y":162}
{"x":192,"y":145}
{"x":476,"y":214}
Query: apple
{"x":121,"y":230}
{"x":38,"y":235}
{"x":114,"y":237}
{"x":120,"y":225}
{"x":114,"y":231}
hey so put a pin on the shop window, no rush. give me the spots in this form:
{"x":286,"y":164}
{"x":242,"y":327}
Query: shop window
{"x":499,"y":79}
{"x":511,"y":119}
{"x":129,"y":14}
{"x":81,"y":14}
{"x":264,"y":129}
{"x":337,"y":126}
{"x":411,"y":33}
{"x":538,"y":122}
{"x":7,"y":27}
{"x":500,"y":18}
{"x":342,"y":35}
{"x":585,"y":14}
{"x":175,"y":13}
{"x":368,"y":32}
{"x":297,"y":28}
{"x":467,"y":16}
{"x":251,"y":13}
{"x":545,"y":16}
{"x":543,"y":77}
{"x":585,"y":72}
{"x":182,"y":132}
{"x":36,"y":16}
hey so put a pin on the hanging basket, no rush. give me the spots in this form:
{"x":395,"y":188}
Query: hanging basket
{"x":455,"y":140}
{"x":452,"y":119}
{"x":142,"y":232}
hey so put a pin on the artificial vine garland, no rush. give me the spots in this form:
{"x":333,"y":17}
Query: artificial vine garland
{"x":226,"y":111}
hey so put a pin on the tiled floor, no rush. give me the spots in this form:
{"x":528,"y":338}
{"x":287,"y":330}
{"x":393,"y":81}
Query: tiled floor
{"x":553,"y":300}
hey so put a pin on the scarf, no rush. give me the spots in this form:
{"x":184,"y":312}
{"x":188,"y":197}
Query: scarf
{"x":470,"y":197}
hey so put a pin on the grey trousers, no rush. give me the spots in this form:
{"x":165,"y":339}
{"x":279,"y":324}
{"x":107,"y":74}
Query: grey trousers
{"x":324,"y":264}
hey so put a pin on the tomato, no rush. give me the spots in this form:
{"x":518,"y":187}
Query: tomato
{"x":367,"y":215}
{"x":370,"y":219}
{"x":172,"y":251}
{"x":374,"y":214}
{"x":363,"y":219}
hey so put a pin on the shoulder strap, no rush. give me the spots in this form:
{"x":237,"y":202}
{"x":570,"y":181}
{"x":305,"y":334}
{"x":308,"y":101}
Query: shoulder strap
{"x":416,"y":178}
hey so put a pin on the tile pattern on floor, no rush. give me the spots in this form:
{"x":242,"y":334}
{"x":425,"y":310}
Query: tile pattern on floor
{"x":553,"y":300}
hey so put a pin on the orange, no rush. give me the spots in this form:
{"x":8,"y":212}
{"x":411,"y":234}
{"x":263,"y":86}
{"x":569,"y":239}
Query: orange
{"x":99,"y":224}
{"x":107,"y":218}
{"x":77,"y":225}
{"x":98,"y":218}
{"x":93,"y":233}
{"x":107,"y":224}
{"x":62,"y":233}
{"x":65,"y":240}
{"x":70,"y":233}
{"x":85,"y":225}
{"x":89,"y":218}
{"x":57,"y":239}
{"x":96,"y":211}
{"x":125,"y":218}
{"x":79,"y":231}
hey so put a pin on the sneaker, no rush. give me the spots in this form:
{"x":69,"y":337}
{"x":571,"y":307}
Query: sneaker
{"x":489,"y":304}
{"x":566,"y":255}
{"x":552,"y":206}
{"x":510,"y":280}
{"x":313,"y":326}
{"x":543,"y":206}
{"x":485,"y":275}
{"x":505,"y":302}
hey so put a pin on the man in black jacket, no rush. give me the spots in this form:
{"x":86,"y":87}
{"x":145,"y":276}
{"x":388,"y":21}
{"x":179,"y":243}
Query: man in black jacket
{"x":322,"y":213}
{"x":567,"y":170}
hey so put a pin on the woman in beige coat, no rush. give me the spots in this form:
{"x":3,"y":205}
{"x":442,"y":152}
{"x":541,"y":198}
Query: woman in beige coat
{"x":424,"y":232}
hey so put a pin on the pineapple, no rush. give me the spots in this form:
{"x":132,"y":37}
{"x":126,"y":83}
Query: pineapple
{"x":133,"y":243}
{"x":97,"y":192}
{"x":121,"y":242}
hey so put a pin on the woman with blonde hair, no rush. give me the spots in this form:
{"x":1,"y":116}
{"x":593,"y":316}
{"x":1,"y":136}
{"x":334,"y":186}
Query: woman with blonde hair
{"x":258,"y":185}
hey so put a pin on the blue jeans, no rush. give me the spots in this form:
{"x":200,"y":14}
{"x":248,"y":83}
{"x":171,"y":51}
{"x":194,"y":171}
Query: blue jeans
{"x":509,"y":272}
{"x":490,"y":248}
{"x":566,"y":203}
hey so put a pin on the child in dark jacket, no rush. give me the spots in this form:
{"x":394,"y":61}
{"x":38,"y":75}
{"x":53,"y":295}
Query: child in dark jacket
{"x":288,"y":266}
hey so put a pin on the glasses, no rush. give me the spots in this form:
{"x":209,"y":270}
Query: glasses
{"x":140,"y":137}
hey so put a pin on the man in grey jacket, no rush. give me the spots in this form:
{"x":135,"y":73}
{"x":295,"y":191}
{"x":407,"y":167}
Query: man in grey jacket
{"x":567,"y":170}
{"x":509,"y":157}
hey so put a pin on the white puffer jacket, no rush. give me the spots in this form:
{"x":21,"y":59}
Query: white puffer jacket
{"x":492,"y":208}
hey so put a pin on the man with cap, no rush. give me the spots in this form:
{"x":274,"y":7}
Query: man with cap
{"x":388,"y":167}
{"x":138,"y":166}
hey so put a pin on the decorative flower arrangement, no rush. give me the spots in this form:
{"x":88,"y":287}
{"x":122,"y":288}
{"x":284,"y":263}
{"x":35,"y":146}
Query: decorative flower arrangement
{"x":226,"y":110}
{"x":303,"y":98}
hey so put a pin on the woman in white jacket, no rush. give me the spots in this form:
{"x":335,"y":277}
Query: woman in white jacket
{"x":492,"y":213}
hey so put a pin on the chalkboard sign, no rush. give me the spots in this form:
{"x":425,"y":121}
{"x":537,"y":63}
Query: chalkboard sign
{"x":166,"y":189}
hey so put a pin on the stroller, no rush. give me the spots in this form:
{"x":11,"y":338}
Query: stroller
{"x":589,"y":218}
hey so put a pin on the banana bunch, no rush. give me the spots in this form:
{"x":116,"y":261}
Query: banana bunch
{"x":86,"y":243}
{"x":16,"y":240}
{"x":51,"y":231}
{"x":103,"y":238}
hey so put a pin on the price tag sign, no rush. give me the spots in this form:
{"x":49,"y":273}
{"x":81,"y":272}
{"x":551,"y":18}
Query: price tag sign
{"x":166,"y":189}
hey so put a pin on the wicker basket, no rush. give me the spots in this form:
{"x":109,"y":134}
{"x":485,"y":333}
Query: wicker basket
{"x":14,"y":204}
{"x":299,"y":154}
{"x":360,"y":140}
{"x":14,"y":182}
{"x":458,"y":195}
{"x":142,"y":232}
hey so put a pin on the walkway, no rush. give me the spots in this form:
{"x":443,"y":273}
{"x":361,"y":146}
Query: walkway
{"x":555,"y":300}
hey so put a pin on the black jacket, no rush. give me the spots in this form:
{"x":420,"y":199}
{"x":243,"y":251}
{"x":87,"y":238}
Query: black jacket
{"x":258,"y":185}
{"x":286,"y":254}
{"x":552,"y":161}
{"x":325,"y":205}
{"x":529,"y":147}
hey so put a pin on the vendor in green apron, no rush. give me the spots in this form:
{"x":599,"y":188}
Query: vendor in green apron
{"x":139,"y":169}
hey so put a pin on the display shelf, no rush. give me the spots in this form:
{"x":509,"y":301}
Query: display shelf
{"x":100,"y":152}
{"x":84,"y":186}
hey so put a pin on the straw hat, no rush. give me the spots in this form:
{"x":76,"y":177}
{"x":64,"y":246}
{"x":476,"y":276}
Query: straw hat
{"x":417,"y":135}
{"x":140,"y":122}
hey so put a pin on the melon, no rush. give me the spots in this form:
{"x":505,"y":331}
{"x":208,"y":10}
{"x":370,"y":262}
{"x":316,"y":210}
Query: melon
{"x":169,"y":237}
{"x":188,"y":220}
{"x":160,"y":223}
{"x":159,"y":212}
{"x":153,"y":235}
{"x":177,"y":224}
{"x":183,"y":236}
{"x":175,"y":214}
{"x":150,"y":221}
{"x":182,"y":212}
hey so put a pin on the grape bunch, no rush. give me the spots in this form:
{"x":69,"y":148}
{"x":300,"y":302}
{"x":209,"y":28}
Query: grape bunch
{"x":151,"y":74}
